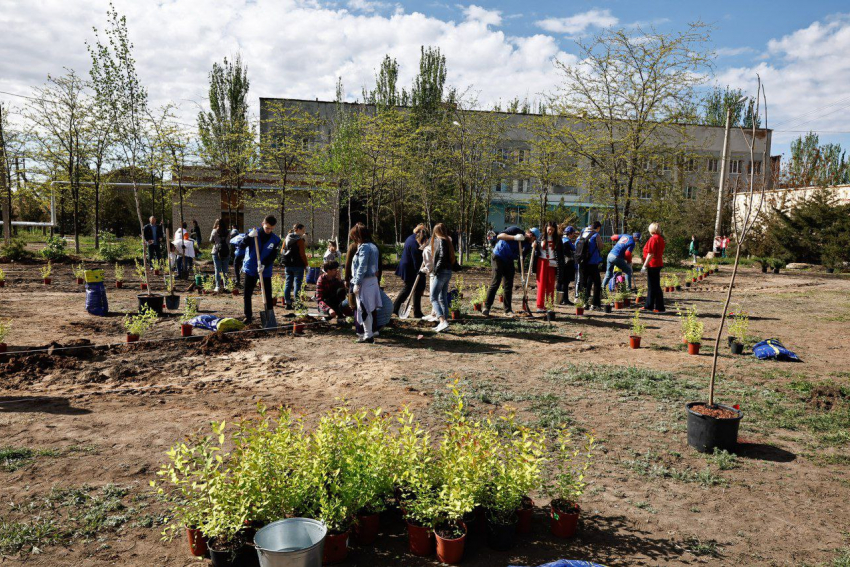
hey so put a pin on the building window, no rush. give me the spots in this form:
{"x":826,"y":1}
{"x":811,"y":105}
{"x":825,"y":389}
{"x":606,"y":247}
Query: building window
{"x":754,"y":165}
{"x":645,"y":193}
{"x":232,"y":209}
{"x":525,"y":185}
{"x":736,"y":165}
{"x":516,"y":188}
{"x":665,"y":166}
{"x":690,"y":192}
{"x":690,"y":165}
{"x":712,"y":165}
{"x":513,"y":215}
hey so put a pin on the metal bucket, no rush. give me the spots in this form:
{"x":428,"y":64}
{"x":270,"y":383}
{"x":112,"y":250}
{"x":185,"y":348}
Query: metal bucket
{"x":294,"y":542}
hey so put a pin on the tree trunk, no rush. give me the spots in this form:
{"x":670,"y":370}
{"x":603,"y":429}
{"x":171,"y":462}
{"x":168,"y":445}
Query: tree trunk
{"x":5,"y":186}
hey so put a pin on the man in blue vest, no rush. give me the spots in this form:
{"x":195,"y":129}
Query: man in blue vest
{"x":588,"y":258}
{"x":505,"y":255}
{"x":252,"y":268}
{"x":620,"y":256}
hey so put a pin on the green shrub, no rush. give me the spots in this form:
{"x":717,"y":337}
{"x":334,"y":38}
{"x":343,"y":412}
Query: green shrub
{"x":15,"y":250}
{"x":111,"y":249}
{"x":54,"y":249}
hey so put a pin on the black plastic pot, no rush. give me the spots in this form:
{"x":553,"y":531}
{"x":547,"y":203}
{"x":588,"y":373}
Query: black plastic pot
{"x":550,"y":316}
{"x":764,"y":269}
{"x":705,"y":433}
{"x":172,"y":302}
{"x":737,"y":348}
{"x":687,"y":284}
{"x":775,"y":270}
{"x":246,"y":556}
{"x":830,"y":270}
{"x":500,"y":537}
{"x":608,"y":308}
{"x":730,"y":339}
{"x":154,"y":301}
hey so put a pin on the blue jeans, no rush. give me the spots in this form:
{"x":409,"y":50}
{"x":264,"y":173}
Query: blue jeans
{"x":294,"y":280}
{"x":220,"y":265}
{"x":619,"y":263}
{"x":440,"y":293}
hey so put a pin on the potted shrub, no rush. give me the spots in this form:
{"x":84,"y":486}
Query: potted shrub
{"x":2,"y":278}
{"x":501,"y":293}
{"x":119,"y":275}
{"x":229,"y":285}
{"x":550,"y":308}
{"x":300,"y":308}
{"x":142,"y":274}
{"x":618,"y":298}
{"x":637,"y":330}
{"x":580,"y":303}
{"x":5,"y":327}
{"x":676,"y":283}
{"x":763,"y":263}
{"x":139,"y":324}
{"x":208,"y":286}
{"x":190,"y":311}
{"x":479,"y":298}
{"x":777,"y":264}
{"x":278,"y":284}
{"x":79,"y":273}
{"x":693,"y":331}
{"x":46,"y":270}
{"x":606,"y":300}
{"x":641,"y":295}
{"x":157,"y":266}
{"x":172,"y":300}
{"x":456,"y":306}
{"x":738,"y":330}
{"x":567,"y":484}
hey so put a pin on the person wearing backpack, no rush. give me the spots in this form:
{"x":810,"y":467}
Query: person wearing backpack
{"x":588,"y":258}
{"x":294,"y":260}
{"x":254,"y":268}
{"x":569,"y":274}
{"x":220,"y":252}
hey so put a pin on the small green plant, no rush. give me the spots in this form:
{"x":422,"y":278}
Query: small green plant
{"x":567,"y":484}
{"x":740,"y":326}
{"x":2,"y":275}
{"x":119,"y":272}
{"x":79,"y":271}
{"x":550,"y":303}
{"x":693,"y":327}
{"x":501,"y":290}
{"x":111,"y":249}
{"x":637,"y":326}
{"x":46,"y":270}
{"x":5,"y":327}
{"x":140,"y":270}
{"x":227,"y":282}
{"x":54,"y":249}
{"x":141,"y":323}
{"x":208,"y":285}
{"x":580,"y":302}
{"x":301,"y":302}
{"x":457,"y":304}
{"x":190,"y":310}
{"x":674,"y":281}
{"x":724,"y":459}
{"x":16,"y":250}
{"x":480,"y":296}
{"x":642,"y":291}
{"x":278,"y":285}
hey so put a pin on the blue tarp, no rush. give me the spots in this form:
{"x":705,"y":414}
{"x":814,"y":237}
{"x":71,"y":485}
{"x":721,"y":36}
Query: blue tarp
{"x":567,"y":563}
{"x":772,"y":348}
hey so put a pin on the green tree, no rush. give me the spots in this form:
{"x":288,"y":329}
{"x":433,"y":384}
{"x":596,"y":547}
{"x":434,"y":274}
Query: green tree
{"x":809,"y":226}
{"x":815,"y":164}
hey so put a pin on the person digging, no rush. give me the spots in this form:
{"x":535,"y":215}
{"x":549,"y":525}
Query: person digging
{"x":506,"y":253}
{"x":269,"y":245}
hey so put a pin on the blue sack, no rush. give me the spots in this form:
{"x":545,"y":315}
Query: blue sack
{"x":208,"y":322}
{"x":313,"y":275}
{"x":96,"y":302}
{"x":568,"y":563}
{"x":772,"y":348}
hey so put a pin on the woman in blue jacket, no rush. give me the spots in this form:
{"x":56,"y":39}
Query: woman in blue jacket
{"x":408,"y":268}
{"x":364,"y":281}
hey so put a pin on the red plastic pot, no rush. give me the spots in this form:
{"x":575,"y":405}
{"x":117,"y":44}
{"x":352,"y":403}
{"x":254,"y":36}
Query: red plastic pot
{"x":336,"y":548}
{"x":618,"y":305}
{"x":119,"y":285}
{"x":501,"y":299}
{"x":627,"y":302}
{"x":235,"y":292}
{"x":455,"y":315}
{"x":476,"y":306}
{"x":634,"y":342}
{"x":693,"y":348}
{"x":144,"y":285}
{"x":197,"y":542}
{"x":185,"y":330}
{"x":420,"y":540}
{"x":563,"y":524}
{"x":450,"y":551}
{"x":3,"y":347}
{"x":80,"y":281}
{"x":298,"y":328}
{"x":365,"y":531}
{"x":524,"y":514}
{"x":579,"y":310}
{"x":47,"y":281}
{"x":132,"y":338}
{"x":2,"y":283}
{"x":156,"y":272}
{"x":700,"y":278}
{"x":639,"y":299}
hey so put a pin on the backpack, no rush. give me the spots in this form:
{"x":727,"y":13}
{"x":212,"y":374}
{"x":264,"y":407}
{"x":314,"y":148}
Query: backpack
{"x":287,"y":258}
{"x":583,"y":249}
{"x":223,"y":248}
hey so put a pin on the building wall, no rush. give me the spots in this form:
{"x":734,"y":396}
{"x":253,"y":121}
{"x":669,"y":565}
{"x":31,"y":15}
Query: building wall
{"x":784,"y":199}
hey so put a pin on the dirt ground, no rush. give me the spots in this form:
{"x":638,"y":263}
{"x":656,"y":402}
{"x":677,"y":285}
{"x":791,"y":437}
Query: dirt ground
{"x":106,"y":413}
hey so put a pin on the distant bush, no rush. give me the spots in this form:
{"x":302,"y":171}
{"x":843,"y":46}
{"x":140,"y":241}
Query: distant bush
{"x":16,"y":250}
{"x":54,"y":249}
{"x":111,"y":249}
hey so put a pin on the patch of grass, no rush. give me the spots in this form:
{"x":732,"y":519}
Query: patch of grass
{"x":843,"y":558}
{"x":650,"y":465}
{"x":645,"y":506}
{"x":503,"y":326}
{"x":24,"y":536}
{"x":13,"y":458}
{"x":723,"y":459}
{"x":658,"y":384}
{"x":550,"y":414}
{"x":701,"y":547}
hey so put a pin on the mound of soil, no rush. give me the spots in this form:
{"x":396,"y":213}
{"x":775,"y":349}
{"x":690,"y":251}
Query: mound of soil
{"x":17,"y":371}
{"x":715,"y":412}
{"x":826,"y":396}
{"x":222,"y":344}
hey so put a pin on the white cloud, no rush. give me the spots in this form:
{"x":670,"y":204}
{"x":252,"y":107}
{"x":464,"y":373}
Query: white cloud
{"x":733,"y":51}
{"x":806,"y":73}
{"x":366,"y":5}
{"x":580,"y":22}
{"x":293,"y":48}
{"x":475,"y":13}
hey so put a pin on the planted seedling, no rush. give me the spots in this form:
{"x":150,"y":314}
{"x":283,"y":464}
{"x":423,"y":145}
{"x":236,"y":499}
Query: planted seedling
{"x":2,"y":277}
{"x":119,"y":275}
{"x":738,"y":329}
{"x":693,"y":331}
{"x":5,"y":327}
{"x":637,"y":330}
{"x":138,"y":325}
{"x":208,"y":285}
{"x":567,"y":484}
{"x":142,"y":274}
{"x":79,"y":272}
{"x":580,"y":303}
{"x":46,"y":270}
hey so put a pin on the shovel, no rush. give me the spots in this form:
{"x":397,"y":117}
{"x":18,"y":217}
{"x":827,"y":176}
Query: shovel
{"x":404,"y":312}
{"x":267,"y":317}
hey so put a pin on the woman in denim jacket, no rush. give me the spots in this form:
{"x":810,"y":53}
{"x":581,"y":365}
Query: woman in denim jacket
{"x":364,"y":282}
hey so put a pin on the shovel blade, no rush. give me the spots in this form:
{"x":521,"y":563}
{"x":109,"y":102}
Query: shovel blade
{"x":268,"y":319}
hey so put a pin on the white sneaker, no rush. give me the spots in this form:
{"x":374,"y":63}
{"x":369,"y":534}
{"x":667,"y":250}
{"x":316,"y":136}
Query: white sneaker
{"x":216,"y":289}
{"x":442,"y":326}
{"x":430,"y":319}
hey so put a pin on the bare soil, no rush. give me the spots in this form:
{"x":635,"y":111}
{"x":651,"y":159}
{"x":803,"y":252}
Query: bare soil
{"x":111,"y":410}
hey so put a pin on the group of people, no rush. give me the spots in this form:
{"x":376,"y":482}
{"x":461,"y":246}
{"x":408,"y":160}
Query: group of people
{"x":555,"y":256}
{"x":182,"y":249}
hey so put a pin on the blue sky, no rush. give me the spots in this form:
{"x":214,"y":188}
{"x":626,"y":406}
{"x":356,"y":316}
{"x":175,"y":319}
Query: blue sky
{"x":498,"y":50}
